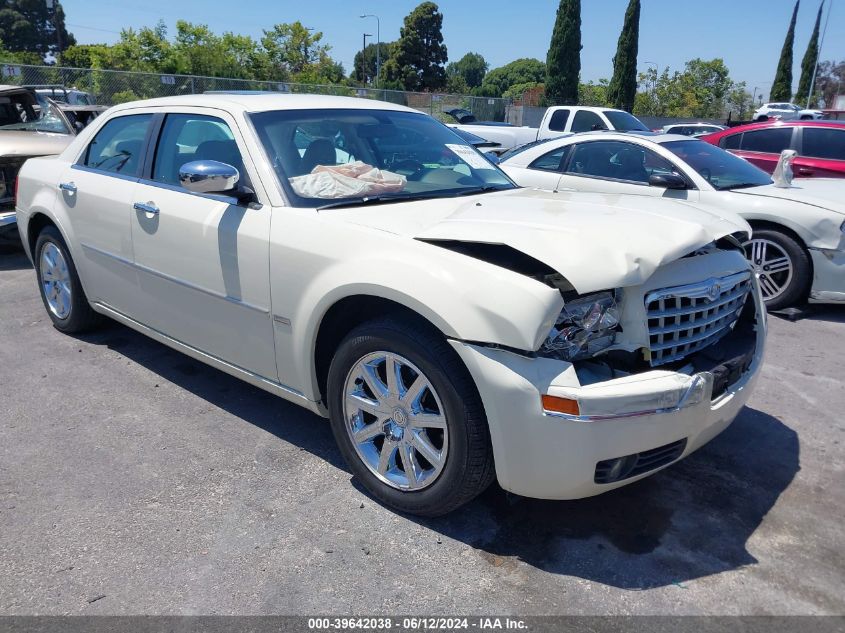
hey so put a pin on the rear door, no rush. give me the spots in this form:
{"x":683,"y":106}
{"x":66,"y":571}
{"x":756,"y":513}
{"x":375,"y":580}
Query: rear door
{"x":822,"y":153}
{"x":97,"y":193}
{"x":203,"y":259}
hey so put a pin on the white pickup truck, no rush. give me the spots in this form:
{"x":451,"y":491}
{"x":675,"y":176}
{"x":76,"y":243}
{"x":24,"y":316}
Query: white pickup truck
{"x":557,"y":121}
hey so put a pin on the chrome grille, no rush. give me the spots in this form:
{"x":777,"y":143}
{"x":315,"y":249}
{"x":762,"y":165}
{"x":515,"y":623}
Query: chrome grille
{"x":685,"y":319}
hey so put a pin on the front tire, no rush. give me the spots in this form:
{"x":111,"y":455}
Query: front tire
{"x":408,"y":419}
{"x":59,"y":285}
{"x":782,"y":265}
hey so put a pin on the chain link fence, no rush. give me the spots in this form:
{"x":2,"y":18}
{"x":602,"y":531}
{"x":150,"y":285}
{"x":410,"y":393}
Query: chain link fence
{"x":110,"y":87}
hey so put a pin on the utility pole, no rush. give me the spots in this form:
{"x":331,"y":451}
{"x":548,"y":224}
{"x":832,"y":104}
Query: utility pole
{"x":53,"y":8}
{"x":818,"y":56}
{"x":378,"y":44}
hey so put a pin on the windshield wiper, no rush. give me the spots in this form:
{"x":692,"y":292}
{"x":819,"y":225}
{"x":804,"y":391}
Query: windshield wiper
{"x":476,"y":190}
{"x":360,"y":202}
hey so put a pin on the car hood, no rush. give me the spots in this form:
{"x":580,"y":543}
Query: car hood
{"x":825,"y":193}
{"x":596,"y":241}
{"x":29,"y":143}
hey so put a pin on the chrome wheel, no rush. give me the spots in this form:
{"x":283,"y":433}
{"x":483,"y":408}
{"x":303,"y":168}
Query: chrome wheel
{"x":55,"y":280}
{"x":772,"y":265}
{"x":395,"y":420}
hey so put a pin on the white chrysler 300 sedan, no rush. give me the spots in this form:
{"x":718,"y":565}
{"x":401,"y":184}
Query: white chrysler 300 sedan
{"x":360,"y":259}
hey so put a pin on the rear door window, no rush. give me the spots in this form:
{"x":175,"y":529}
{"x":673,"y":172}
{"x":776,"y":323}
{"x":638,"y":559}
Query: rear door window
{"x":769,"y":141}
{"x":558,"y":121}
{"x":119,"y":145}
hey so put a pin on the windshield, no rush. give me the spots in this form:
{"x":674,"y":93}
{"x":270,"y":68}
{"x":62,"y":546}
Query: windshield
{"x":360,"y":155}
{"x":625,"y":122}
{"x":721,"y":169}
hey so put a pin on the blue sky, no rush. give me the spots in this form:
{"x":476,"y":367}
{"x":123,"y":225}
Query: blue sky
{"x":747,"y":34}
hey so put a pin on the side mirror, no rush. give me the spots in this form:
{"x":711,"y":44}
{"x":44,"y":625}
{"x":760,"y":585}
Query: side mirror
{"x":667,"y":181}
{"x":209,"y":176}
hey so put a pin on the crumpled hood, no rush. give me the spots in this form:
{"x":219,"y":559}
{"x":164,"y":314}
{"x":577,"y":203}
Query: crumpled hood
{"x":596,"y":241}
{"x":825,"y":193}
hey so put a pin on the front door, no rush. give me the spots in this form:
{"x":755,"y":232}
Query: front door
{"x":203,"y":260}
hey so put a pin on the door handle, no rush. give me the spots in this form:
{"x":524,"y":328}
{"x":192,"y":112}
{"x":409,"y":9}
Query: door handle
{"x":146,"y":207}
{"x":70,"y":187}
{"x":805,"y":171}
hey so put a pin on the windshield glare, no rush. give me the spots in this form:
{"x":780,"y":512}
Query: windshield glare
{"x":356,"y":154}
{"x":625,"y":122}
{"x":721,"y":169}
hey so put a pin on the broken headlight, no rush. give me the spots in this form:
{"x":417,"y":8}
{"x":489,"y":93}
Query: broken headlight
{"x":585,"y":326}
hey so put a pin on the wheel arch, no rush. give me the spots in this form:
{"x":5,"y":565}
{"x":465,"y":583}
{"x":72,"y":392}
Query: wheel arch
{"x":782,"y":228}
{"x":344,"y":315}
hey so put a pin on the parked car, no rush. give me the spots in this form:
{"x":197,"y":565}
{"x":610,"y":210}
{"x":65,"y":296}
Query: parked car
{"x":798,"y":246}
{"x":691,"y":129}
{"x":29,"y":127}
{"x":820,"y":145}
{"x":785,"y":112}
{"x":452,"y":326}
{"x":81,"y":115}
{"x":557,"y":121}
{"x":465,"y":117}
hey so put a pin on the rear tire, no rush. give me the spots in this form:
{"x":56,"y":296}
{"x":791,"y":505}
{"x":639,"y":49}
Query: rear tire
{"x":59,"y":285}
{"x":377,"y":420}
{"x":782,"y":265}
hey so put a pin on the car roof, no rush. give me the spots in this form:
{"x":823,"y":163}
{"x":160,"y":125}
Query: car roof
{"x":264,"y":102}
{"x":769,"y":124}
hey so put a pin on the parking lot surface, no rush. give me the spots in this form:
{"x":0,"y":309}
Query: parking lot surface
{"x":135,"y":480}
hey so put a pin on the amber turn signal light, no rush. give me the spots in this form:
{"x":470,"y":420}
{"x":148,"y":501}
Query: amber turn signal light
{"x":555,"y":404}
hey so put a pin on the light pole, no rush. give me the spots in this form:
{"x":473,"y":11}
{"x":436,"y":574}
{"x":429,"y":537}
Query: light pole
{"x":378,"y":44}
{"x":364,"y":58}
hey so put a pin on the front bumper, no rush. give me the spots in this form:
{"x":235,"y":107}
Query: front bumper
{"x":828,"y":276}
{"x":541,"y":455}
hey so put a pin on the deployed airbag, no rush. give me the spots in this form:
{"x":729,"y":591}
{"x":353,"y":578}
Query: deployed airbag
{"x":351,"y":180}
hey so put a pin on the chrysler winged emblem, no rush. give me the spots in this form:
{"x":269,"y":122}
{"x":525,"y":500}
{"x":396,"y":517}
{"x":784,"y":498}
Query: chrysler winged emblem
{"x":714,"y":291}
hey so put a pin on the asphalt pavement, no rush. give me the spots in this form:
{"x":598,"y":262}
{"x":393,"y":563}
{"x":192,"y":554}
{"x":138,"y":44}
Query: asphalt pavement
{"x":135,"y":480}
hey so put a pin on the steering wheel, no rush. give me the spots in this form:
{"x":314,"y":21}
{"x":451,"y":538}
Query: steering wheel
{"x":409,"y":168}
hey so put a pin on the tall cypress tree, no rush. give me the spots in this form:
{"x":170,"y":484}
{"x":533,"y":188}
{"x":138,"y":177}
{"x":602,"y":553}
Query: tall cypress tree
{"x":623,"y":86}
{"x":563,"y":63}
{"x":808,"y":64}
{"x":782,"y":87}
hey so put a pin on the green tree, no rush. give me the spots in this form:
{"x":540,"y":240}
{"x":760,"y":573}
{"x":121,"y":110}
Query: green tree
{"x":29,"y":26}
{"x":364,"y":64}
{"x":739,"y":101}
{"x":291,"y":48}
{"x":563,"y":63}
{"x":471,"y":67}
{"x":456,"y":85}
{"x":703,"y":89}
{"x":782,"y":86}
{"x":622,"y":90}
{"x":417,"y":60}
{"x":595,"y":94}
{"x":808,"y":64}
{"x":520,"y":71}
{"x":830,"y":80}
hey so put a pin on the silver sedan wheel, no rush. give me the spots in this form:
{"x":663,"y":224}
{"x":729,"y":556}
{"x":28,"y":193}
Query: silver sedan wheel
{"x":395,"y":420}
{"x":772,"y":265}
{"x":55,"y":280}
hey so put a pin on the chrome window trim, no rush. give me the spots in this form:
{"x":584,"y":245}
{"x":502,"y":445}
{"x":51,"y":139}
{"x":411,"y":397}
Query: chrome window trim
{"x":176,"y":280}
{"x":103,"y":172}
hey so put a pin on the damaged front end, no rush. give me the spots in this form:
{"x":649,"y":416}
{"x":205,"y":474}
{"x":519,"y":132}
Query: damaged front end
{"x":628,"y":380}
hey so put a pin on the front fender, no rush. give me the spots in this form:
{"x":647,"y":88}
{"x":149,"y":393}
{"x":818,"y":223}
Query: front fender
{"x":470,"y":301}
